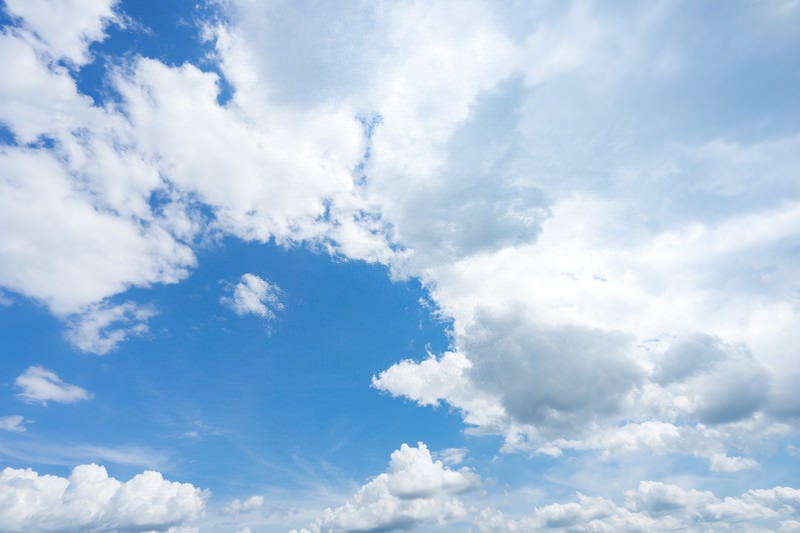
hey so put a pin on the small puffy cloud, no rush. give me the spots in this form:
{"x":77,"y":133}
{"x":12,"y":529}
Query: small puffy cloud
{"x":90,"y":500}
{"x":256,"y":296}
{"x":655,"y":506}
{"x":101,"y":327}
{"x":13,"y":423}
{"x":415,"y":489}
{"x":238,"y":506}
{"x":39,"y":384}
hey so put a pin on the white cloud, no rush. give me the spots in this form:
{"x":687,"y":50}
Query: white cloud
{"x":66,"y":28}
{"x":13,"y":423}
{"x":415,"y":489}
{"x":655,"y":506}
{"x":589,"y":242}
{"x":248,"y":505}
{"x":90,"y":500}
{"x":101,"y":327}
{"x":39,"y":384}
{"x":254,"y":295}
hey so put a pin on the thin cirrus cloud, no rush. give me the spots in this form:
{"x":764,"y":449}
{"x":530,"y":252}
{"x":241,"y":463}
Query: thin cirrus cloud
{"x":13,"y":423}
{"x":40,"y":385}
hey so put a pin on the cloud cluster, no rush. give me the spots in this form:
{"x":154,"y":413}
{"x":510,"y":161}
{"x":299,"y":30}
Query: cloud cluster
{"x":415,"y":489}
{"x":90,"y":500}
{"x":614,"y":242}
{"x":41,"y":385}
{"x":656,"y":506}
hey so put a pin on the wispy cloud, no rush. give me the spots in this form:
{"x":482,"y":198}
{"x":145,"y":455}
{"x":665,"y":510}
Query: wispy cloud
{"x":41,"y":385}
{"x":13,"y":423}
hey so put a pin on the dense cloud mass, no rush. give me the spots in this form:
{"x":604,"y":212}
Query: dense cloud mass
{"x":415,"y":489}
{"x":90,"y":500}
{"x":603,"y":202}
{"x":655,"y":506}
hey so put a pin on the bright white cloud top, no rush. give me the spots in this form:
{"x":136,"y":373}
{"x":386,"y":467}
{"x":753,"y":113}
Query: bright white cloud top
{"x":600,"y":204}
{"x":90,"y":500}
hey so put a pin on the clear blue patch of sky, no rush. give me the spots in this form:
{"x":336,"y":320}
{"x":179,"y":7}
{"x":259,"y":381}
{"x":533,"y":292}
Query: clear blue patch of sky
{"x":235,"y":402}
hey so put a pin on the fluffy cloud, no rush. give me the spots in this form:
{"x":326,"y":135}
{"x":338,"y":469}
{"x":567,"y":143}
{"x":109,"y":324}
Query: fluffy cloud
{"x":39,"y":384}
{"x":656,"y":506}
{"x":620,"y":272}
{"x":90,"y":500}
{"x":254,"y":295}
{"x":66,"y":28}
{"x":415,"y":489}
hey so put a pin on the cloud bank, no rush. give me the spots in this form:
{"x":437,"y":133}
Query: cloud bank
{"x":90,"y":500}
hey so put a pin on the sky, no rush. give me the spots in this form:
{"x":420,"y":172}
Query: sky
{"x":314,"y":267}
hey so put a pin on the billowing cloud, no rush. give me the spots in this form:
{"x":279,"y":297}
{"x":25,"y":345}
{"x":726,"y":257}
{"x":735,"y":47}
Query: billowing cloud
{"x":655,"y":506}
{"x":41,"y":385}
{"x":614,"y":242}
{"x":415,"y":489}
{"x":256,"y":296}
{"x":66,"y":28}
{"x":90,"y":500}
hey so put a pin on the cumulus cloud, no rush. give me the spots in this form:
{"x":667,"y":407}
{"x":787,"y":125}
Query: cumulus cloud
{"x":415,"y":489}
{"x":13,"y":423}
{"x":41,"y":385}
{"x":655,"y":506}
{"x":256,"y":296}
{"x":66,"y":29}
{"x":90,"y":500}
{"x":613,"y":267}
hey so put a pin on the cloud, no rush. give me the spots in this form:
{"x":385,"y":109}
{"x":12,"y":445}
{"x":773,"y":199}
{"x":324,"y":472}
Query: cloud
{"x":415,"y":489}
{"x":66,"y":29}
{"x":13,"y":423}
{"x":254,"y":295}
{"x":237,"y":506}
{"x":39,"y":384}
{"x":101,"y":327}
{"x":656,"y":506}
{"x":90,"y":500}
{"x":620,"y":273}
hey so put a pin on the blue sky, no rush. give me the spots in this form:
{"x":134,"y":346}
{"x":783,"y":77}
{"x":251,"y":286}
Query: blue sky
{"x":337,"y":267}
